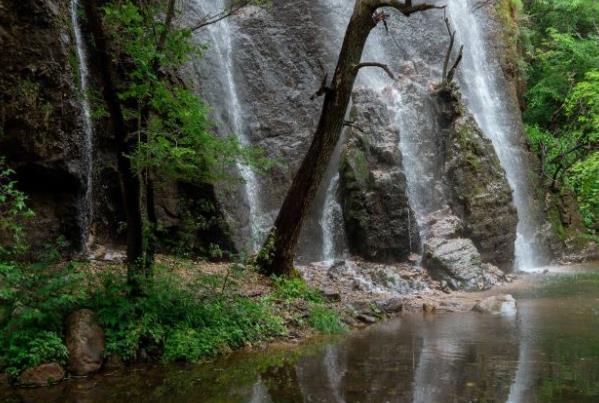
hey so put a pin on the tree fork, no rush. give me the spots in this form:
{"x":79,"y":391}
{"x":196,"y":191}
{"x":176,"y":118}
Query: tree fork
{"x":278,"y":252}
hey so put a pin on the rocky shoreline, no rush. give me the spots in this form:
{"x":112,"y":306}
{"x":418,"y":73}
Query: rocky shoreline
{"x":362,"y":293}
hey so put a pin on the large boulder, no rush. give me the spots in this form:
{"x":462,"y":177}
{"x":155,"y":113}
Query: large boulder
{"x":42,"y":375}
{"x":451,"y":258}
{"x":476,"y":185}
{"x":379,"y":222}
{"x":85,"y":342}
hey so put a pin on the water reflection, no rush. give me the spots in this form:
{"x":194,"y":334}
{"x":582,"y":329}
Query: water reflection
{"x":549,"y":351}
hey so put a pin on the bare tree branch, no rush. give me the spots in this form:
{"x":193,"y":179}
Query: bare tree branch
{"x":374,"y":64}
{"x":226,"y":13}
{"x":351,"y":124}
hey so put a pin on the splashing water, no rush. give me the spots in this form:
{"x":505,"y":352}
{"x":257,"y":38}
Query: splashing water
{"x":86,"y":210}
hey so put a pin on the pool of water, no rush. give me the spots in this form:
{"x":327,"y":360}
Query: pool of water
{"x":547,"y":352}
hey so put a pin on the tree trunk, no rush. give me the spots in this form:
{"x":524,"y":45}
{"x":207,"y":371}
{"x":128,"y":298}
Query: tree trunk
{"x":278,"y":252}
{"x":130,"y":185}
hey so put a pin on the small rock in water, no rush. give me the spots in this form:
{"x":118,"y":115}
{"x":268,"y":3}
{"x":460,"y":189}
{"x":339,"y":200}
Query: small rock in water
{"x":428,"y":307}
{"x":393,"y":305}
{"x":503,"y":304}
{"x":42,"y":375}
{"x":366,"y":318}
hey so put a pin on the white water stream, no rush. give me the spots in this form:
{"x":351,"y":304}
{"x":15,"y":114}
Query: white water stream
{"x":86,"y":209}
{"x":486,"y":98}
{"x":222,"y":44}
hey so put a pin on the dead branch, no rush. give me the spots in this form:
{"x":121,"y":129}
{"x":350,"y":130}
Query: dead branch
{"x":374,"y":64}
{"x":447,"y":75}
{"x":323,"y":88}
{"x":226,"y":13}
{"x":454,"y":68}
{"x":351,"y":124}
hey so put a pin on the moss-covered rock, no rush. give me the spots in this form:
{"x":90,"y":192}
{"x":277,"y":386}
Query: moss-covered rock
{"x":380,"y":224}
{"x":476,"y":185}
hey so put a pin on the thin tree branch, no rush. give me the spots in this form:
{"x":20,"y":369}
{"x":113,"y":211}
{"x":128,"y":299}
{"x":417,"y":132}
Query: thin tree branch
{"x":351,"y":124}
{"x":455,"y":65}
{"x":374,"y":64}
{"x":213,"y":19}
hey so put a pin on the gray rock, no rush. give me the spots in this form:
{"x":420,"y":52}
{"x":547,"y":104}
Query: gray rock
{"x":476,"y":185}
{"x":454,"y":259}
{"x":503,"y":304}
{"x":379,"y":222}
{"x":390,"y":306}
{"x":85,"y":342}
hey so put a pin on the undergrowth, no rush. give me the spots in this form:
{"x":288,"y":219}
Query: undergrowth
{"x":180,"y":316}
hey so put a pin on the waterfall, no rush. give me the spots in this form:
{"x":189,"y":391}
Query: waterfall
{"x":86,"y":209}
{"x":486,"y":97}
{"x":331,"y":220}
{"x":222,"y":43}
{"x":415,"y":127}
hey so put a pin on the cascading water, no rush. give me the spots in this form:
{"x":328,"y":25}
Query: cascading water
{"x":222,"y":43}
{"x":338,"y":14}
{"x":330,"y":220}
{"x":86,"y":209}
{"x":485,"y":97}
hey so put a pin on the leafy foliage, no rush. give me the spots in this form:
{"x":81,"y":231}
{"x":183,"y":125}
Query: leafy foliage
{"x":174,"y":322}
{"x":176,"y":140}
{"x":13,"y":213}
{"x":295,"y":288}
{"x":562,"y":101}
{"x":34,"y":300}
{"x":325,"y":320}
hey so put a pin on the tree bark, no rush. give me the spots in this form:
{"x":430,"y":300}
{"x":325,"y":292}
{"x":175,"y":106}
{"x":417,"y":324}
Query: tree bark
{"x":130,"y":184}
{"x":278,"y":252}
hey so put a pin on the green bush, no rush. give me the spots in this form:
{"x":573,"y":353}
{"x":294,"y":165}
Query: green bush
{"x":325,"y":320}
{"x":175,"y":322}
{"x":26,"y":349}
{"x":35,"y":299}
{"x":295,"y":288}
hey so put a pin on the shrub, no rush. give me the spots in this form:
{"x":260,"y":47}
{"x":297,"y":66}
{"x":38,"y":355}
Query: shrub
{"x":35,"y":299}
{"x":173,"y":322}
{"x":325,"y":320}
{"x":295,"y":288}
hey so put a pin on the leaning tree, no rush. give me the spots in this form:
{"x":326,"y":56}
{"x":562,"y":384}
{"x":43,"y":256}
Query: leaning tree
{"x":278,"y":252}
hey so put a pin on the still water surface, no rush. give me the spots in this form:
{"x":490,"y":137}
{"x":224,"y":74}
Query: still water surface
{"x":548,"y":352}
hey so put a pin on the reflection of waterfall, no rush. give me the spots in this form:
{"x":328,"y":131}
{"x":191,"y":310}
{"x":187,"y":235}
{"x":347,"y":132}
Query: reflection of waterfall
{"x":486,"y":97}
{"x":259,"y":393}
{"x":222,"y":42}
{"x":86,"y":211}
{"x":524,"y":377}
{"x":334,"y":373}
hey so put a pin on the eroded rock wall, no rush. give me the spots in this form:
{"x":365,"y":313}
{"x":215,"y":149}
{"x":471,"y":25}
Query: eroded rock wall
{"x":40,"y":129}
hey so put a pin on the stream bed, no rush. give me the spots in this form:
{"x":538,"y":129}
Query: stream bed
{"x":547,"y":352}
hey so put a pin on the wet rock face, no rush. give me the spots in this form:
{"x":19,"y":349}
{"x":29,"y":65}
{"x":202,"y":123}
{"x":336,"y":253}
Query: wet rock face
{"x":40,"y":131}
{"x":476,"y":185}
{"x":85,"y":342}
{"x":451,"y":258}
{"x":379,"y":222}
{"x":42,"y":375}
